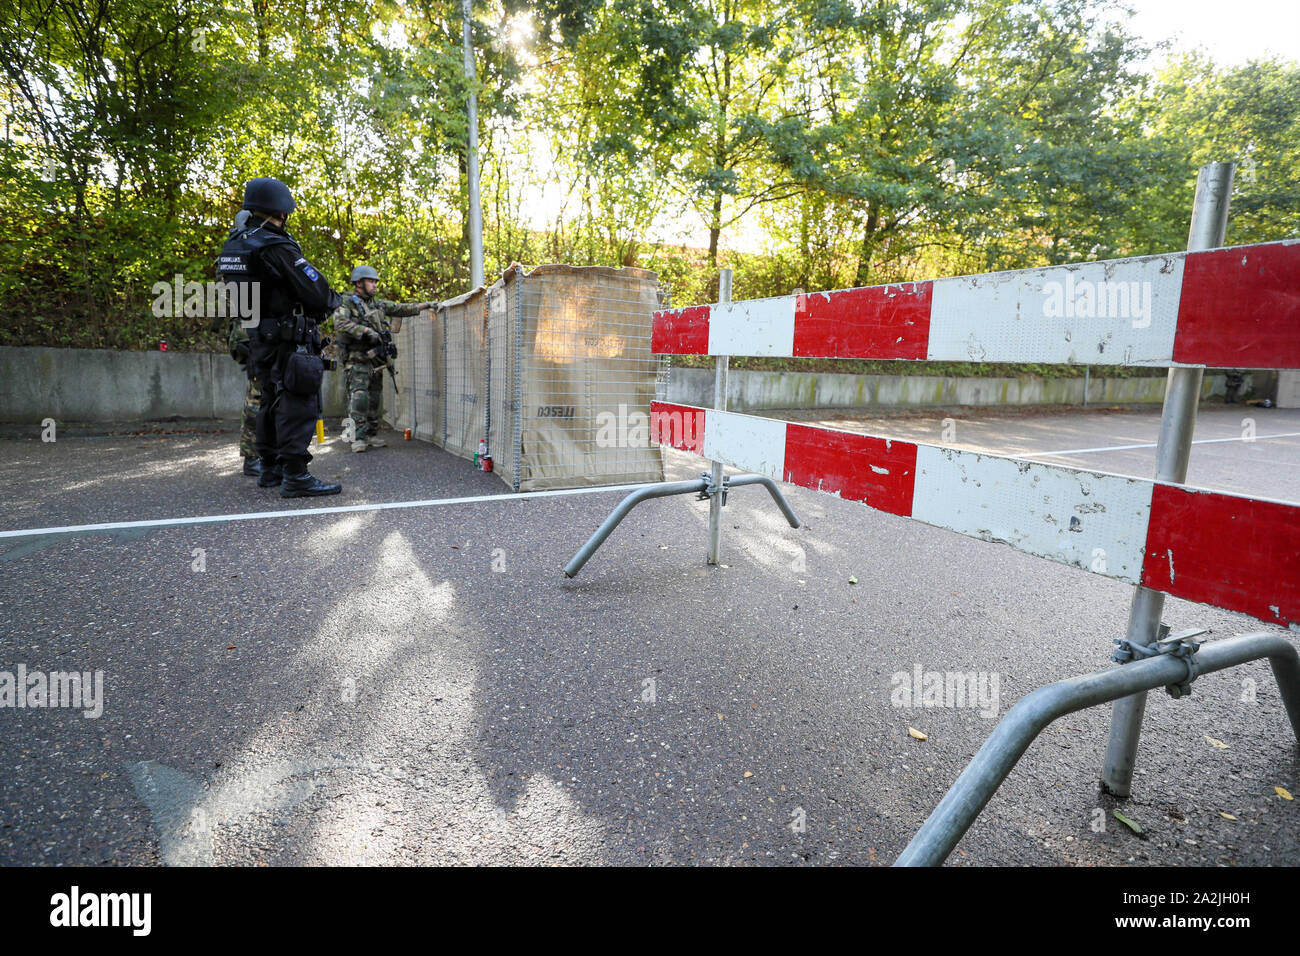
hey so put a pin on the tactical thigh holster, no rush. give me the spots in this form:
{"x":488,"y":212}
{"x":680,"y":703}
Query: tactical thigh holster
{"x":303,"y":373}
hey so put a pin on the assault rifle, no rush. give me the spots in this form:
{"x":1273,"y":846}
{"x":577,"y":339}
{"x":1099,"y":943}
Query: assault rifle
{"x":388,"y":351}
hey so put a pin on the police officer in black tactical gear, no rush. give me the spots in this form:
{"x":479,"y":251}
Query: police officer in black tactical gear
{"x":285,"y":346}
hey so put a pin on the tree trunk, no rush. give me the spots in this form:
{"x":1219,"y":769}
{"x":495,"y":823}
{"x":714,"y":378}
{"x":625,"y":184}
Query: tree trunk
{"x":715,"y":231}
{"x":260,"y":10}
{"x":868,"y":245}
{"x":805,"y":253}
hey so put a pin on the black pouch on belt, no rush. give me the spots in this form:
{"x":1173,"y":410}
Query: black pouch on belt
{"x":303,"y":374}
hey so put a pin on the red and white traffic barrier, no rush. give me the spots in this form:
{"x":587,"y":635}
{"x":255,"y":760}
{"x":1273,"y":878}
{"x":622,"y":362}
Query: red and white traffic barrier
{"x":1237,"y":307}
{"x":1225,"y":550}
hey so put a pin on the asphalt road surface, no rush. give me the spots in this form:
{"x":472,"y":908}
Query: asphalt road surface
{"x":422,"y":685}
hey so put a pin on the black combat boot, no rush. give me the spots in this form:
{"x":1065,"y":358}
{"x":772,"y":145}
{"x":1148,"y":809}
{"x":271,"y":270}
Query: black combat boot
{"x":253,"y":466}
{"x":303,"y":485}
{"x":270,"y":475}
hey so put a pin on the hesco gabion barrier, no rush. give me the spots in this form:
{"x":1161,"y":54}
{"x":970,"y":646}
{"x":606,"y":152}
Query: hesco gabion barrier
{"x":551,"y":365}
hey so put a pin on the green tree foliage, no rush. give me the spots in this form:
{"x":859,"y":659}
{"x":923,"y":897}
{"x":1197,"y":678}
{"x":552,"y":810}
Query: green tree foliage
{"x":1194,"y":114}
{"x":131,"y":126}
{"x":835,"y":141}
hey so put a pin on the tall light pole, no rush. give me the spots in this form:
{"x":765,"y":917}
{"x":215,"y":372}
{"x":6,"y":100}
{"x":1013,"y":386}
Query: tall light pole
{"x":475,"y":205}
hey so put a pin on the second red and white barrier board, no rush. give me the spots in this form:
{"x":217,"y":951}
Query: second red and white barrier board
{"x":1237,"y":553}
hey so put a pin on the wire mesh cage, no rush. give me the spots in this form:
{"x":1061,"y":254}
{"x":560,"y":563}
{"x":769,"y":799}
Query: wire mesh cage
{"x":464,"y":358}
{"x":551,"y":365}
{"x":415,"y":402}
{"x":572,"y":376}
{"x":504,"y":370}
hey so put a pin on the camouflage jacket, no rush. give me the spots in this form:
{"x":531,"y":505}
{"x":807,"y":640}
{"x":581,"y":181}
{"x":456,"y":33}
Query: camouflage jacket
{"x":237,"y":342}
{"x":359,"y":321}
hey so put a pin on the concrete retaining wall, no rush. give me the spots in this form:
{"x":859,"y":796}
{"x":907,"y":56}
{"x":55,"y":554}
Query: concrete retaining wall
{"x":750,"y":391}
{"x":101,"y":385}
{"x":1288,"y":388}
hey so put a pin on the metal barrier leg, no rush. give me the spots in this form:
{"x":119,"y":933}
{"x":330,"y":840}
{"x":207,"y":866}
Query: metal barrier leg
{"x":1033,"y":712}
{"x":720,"y":366}
{"x":703,"y":486}
{"x":775,"y":492}
{"x":1173,"y":449}
{"x":715,"y":517}
{"x":618,"y":514}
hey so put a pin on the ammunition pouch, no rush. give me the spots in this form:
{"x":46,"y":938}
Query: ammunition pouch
{"x":290,"y":330}
{"x":297,"y":329}
{"x":268,"y":332}
{"x":303,"y":373}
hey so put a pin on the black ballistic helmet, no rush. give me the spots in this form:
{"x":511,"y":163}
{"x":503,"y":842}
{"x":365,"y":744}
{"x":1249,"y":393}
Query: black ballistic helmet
{"x":268,"y":195}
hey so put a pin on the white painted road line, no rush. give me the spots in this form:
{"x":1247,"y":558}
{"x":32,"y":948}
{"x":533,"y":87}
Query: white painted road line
{"x":297,"y":513}
{"x":1200,"y":441}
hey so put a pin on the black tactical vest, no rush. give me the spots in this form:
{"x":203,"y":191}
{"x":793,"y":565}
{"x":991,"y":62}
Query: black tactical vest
{"x":240,"y":262}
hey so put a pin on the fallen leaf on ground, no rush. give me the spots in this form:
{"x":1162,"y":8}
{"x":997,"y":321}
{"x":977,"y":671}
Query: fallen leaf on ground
{"x":1283,"y":792}
{"x":917,"y":734}
{"x":1214,"y":742}
{"x":1131,"y":824}
{"x":1226,"y":816}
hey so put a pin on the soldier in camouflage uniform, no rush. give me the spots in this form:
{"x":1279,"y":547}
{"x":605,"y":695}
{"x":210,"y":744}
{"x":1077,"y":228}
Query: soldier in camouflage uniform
{"x":361,"y":330}
{"x":237,"y":342}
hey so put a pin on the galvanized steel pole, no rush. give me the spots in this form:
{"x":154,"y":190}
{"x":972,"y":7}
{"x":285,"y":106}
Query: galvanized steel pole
{"x":721,"y":365}
{"x":1173,"y":448}
{"x":471,"y":164}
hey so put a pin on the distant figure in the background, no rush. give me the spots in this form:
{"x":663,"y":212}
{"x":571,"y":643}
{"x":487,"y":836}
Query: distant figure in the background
{"x":366,"y":347}
{"x":1232,"y":382}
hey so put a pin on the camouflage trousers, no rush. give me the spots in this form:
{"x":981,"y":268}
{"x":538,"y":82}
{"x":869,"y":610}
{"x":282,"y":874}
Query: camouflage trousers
{"x":248,"y":420}
{"x":365,"y":399}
